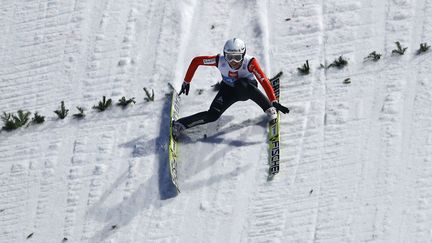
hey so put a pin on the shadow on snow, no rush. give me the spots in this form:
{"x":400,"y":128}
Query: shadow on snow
{"x":145,"y":196}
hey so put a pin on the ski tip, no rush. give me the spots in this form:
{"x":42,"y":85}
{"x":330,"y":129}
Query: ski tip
{"x":270,"y":177}
{"x":277,"y":76}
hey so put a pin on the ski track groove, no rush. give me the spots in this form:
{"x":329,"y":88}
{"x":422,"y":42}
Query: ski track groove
{"x":157,"y":220}
{"x":260,"y":227}
{"x":85,"y":179}
{"x":129,"y":56}
{"x":390,"y":126}
{"x":105,"y":161}
{"x":266,"y":216}
{"x":104,"y":60}
{"x":331,"y":222}
{"x":303,"y":122}
{"x":74,"y":47}
{"x":419,"y":218}
{"x":13,"y":201}
{"x":46,"y":180}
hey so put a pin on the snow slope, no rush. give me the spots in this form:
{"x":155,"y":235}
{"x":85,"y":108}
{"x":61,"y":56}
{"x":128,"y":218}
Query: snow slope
{"x":356,"y":158}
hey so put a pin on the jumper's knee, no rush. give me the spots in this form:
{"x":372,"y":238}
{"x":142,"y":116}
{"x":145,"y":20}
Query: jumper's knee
{"x":212,"y":115}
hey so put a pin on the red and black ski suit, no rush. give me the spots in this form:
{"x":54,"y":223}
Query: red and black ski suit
{"x":237,"y":85}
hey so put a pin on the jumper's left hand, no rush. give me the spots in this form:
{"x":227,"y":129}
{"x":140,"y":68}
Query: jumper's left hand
{"x":280,"y":107}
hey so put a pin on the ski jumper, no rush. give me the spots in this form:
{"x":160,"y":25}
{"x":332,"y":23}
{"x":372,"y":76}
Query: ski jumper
{"x":237,"y":85}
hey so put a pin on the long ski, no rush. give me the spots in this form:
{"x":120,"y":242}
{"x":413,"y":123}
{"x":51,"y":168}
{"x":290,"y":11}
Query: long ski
{"x":274,"y":134}
{"x":173,"y":148}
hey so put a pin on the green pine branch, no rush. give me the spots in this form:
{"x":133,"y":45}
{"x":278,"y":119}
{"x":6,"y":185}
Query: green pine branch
{"x":399,"y":49}
{"x":62,"y":112}
{"x":424,"y":47}
{"x":12,"y":121}
{"x":9,"y":123}
{"x":305,"y":69}
{"x":373,"y":56}
{"x":340,"y":63}
{"x":22,"y":118}
{"x":38,"y":119}
{"x":150,"y":97}
{"x":103,"y":104}
{"x":80,"y":114}
{"x":124,"y":103}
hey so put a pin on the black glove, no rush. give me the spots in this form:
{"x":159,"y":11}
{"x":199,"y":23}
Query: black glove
{"x":280,"y":107}
{"x":185,"y":88}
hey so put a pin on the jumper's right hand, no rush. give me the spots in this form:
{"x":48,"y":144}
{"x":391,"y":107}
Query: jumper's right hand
{"x":185,"y":88}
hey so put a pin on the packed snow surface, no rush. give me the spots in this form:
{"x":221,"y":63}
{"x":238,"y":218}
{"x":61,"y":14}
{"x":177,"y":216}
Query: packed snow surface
{"x":356,"y":158}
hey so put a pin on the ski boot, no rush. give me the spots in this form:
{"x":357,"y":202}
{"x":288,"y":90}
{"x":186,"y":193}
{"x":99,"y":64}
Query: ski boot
{"x":271,"y":115}
{"x":177,"y":129}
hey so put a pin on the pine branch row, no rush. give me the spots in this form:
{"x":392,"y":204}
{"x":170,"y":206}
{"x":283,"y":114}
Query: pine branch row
{"x":14,"y":121}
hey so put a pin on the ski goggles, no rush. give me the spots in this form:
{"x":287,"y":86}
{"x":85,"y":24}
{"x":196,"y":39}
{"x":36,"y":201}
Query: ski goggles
{"x":236,"y":57}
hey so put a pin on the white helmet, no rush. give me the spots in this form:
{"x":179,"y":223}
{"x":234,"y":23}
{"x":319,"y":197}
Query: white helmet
{"x":234,"y":50}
